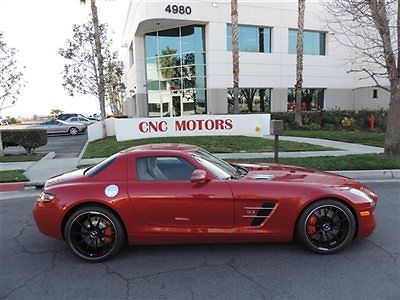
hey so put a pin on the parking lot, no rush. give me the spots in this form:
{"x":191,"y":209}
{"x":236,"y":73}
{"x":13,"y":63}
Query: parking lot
{"x":37,"y":267}
{"x":63,"y":145}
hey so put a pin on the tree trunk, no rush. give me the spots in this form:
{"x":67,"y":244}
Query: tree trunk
{"x":100,"y":64}
{"x":392,"y":135}
{"x":299,"y":61}
{"x":235,"y":54}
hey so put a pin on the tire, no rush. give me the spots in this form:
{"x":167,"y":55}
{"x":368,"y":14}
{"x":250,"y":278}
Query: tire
{"x":94,"y":233}
{"x":73,"y":131}
{"x":326,"y":226}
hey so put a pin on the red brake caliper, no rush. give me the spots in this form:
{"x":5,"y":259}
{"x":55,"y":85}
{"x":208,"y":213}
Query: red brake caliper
{"x":108,"y":231}
{"x":311,"y":225}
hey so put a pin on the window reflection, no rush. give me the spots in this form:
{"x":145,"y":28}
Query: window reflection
{"x":312,"y":99}
{"x":175,"y":63}
{"x":251,"y":39}
{"x":251,"y":100}
{"x":314,"y":42}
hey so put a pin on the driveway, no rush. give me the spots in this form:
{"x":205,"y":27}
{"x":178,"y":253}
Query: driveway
{"x":37,"y":267}
{"x":63,"y":145}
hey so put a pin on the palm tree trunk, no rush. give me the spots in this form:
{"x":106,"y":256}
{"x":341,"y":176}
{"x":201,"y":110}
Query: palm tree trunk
{"x":299,"y":61}
{"x":100,"y":64}
{"x":235,"y":54}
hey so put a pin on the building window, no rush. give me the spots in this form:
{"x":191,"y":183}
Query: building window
{"x":176,"y":71}
{"x":314,"y":42}
{"x":312,"y":99}
{"x":251,"y":39}
{"x":375,"y":93}
{"x":131,"y":61}
{"x":251,"y":100}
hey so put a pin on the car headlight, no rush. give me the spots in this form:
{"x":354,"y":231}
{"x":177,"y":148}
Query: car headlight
{"x":363,"y":195}
{"x":45,"y":197}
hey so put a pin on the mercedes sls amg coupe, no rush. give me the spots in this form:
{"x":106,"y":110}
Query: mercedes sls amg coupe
{"x":173,"y":193}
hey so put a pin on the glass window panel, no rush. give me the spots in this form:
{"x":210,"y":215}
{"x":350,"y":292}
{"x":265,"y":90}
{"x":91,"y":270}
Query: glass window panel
{"x":151,"y":44}
{"x":152,"y":73}
{"x":169,"y":61}
{"x":193,"y":58}
{"x":153,"y":99}
{"x":191,"y":71}
{"x":267,"y":40}
{"x":167,"y":73}
{"x":168,"y":41}
{"x":248,"y":39}
{"x":314,"y":42}
{"x":153,"y":85}
{"x":192,"y":39}
{"x":229,"y":37}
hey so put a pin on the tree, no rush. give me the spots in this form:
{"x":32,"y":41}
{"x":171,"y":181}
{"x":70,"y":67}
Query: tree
{"x":11,"y":76}
{"x":81,"y":72}
{"x":11,"y":80}
{"x":299,"y":60}
{"x":371,"y":28}
{"x":235,"y":54}
{"x":55,"y":112}
{"x":114,"y":86}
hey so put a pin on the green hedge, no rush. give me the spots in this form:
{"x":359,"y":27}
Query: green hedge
{"x":334,"y":119}
{"x":30,"y":139}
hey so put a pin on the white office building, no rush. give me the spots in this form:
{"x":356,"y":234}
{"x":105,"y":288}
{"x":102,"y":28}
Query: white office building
{"x":178,"y":60}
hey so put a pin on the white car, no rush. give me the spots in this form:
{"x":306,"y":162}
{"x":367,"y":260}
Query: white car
{"x":81,"y":120}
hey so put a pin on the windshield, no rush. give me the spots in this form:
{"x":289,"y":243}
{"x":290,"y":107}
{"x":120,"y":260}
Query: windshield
{"x":218,"y":167}
{"x":92,"y":171}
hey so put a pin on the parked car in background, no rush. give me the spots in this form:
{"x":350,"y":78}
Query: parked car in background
{"x":96,"y":117}
{"x":82,"y":120}
{"x":60,"y":126}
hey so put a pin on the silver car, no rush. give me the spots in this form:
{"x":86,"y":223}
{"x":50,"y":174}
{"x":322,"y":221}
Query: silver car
{"x":59,"y":126}
{"x":81,"y":120}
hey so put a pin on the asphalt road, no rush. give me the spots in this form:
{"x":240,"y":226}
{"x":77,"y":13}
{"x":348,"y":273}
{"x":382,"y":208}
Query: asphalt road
{"x":36,"y":267}
{"x":63,"y":145}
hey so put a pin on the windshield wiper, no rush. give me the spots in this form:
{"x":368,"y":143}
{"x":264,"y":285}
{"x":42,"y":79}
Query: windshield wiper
{"x":240,"y":170}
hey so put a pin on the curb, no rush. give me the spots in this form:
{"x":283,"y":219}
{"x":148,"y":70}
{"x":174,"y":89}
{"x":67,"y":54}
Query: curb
{"x":355,"y":174}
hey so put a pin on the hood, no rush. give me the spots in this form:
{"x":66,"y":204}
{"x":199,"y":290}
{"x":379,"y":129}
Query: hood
{"x":288,"y":173}
{"x":65,"y":178}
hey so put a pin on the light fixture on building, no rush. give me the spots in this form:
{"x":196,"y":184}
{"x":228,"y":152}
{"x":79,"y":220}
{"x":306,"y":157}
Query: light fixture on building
{"x":215,"y":4}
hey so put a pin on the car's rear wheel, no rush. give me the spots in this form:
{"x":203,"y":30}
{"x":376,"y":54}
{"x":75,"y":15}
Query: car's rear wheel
{"x":73,"y":131}
{"x":326,"y":226}
{"x":94,"y":233}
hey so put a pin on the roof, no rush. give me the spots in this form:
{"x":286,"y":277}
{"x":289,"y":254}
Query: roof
{"x":163,"y":147}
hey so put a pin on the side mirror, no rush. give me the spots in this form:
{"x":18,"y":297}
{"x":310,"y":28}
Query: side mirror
{"x":199,"y":176}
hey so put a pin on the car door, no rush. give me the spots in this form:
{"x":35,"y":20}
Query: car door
{"x":163,"y":195}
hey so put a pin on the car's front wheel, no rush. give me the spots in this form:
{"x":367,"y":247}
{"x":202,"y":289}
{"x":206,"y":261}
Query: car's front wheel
{"x":73,"y":131}
{"x":326,"y":226}
{"x":94,"y":233}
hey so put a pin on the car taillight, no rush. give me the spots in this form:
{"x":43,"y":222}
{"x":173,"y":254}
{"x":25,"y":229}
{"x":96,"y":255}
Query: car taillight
{"x":45,"y":197}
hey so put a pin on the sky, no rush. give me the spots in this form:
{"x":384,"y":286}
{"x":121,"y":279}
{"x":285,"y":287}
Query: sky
{"x":38,"y":28}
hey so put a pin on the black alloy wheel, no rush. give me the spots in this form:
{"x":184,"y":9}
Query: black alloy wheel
{"x":326,"y":226}
{"x":94,"y":233}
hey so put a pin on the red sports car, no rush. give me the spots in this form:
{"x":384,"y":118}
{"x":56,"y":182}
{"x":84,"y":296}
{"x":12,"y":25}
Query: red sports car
{"x":172,"y":193}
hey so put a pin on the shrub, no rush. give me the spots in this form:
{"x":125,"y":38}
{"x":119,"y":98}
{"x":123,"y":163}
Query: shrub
{"x":312,"y":126}
{"x":29,"y":139}
{"x":332,"y":119}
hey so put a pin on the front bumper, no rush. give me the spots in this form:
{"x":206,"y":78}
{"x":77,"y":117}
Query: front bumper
{"x":366,"y":221}
{"x":48,"y":218}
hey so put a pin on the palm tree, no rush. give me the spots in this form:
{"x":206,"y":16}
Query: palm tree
{"x":100,"y":62}
{"x":235,"y":54}
{"x":299,"y":61}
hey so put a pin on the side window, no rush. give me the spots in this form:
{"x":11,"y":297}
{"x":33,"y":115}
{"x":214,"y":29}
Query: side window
{"x":163,"y":168}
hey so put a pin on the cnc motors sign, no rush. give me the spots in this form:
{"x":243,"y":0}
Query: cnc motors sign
{"x":196,"y":125}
